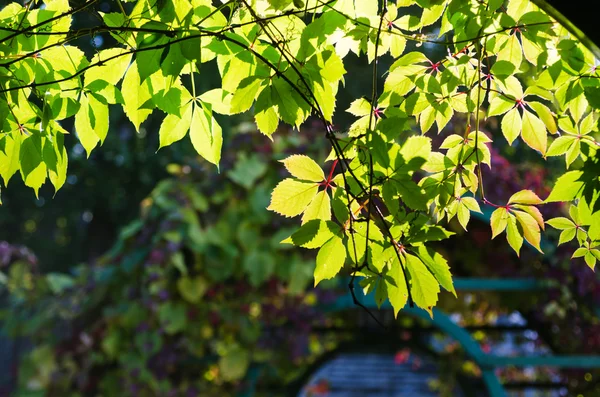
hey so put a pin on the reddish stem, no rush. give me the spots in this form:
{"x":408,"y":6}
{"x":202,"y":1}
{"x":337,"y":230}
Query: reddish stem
{"x":486,"y":201}
{"x":327,"y":182}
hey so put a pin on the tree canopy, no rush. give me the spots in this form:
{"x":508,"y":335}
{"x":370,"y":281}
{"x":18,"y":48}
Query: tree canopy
{"x":384,"y":192}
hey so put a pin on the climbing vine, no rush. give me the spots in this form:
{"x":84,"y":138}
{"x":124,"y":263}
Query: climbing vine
{"x":384,"y":193}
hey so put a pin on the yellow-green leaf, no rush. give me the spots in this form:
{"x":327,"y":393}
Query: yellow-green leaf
{"x":499,"y":221}
{"x":561,"y":223}
{"x":303,"y":167}
{"x":114,"y":63}
{"x":245,"y":94}
{"x":291,"y":197}
{"x":500,"y":105}
{"x":9,"y":158}
{"x":530,"y":227}
{"x":534,"y":132}
{"x":174,"y":128}
{"x":525,"y":197}
{"x":513,"y":236}
{"x":84,"y":124}
{"x":330,"y":259}
{"x":135,"y":95}
{"x":319,"y":208}
{"x":545,"y":115}
{"x":206,"y":134}
{"x":511,"y":125}
{"x":560,"y":145}
{"x":397,"y":292}
{"x":424,"y":287}
{"x":234,"y":364}
{"x":192,"y":289}
{"x":438,"y":265}
{"x":463,"y":215}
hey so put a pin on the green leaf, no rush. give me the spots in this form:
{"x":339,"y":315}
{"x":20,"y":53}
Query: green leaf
{"x":247,"y":170}
{"x":525,"y":197}
{"x":135,"y":95}
{"x":424,"y":287}
{"x":192,"y":289}
{"x":9,"y":157}
{"x":397,"y":291}
{"x":451,"y":141}
{"x":114,"y":63}
{"x":511,"y":125}
{"x":499,"y":220}
{"x":33,"y":170}
{"x":533,"y":211}
{"x":173,"y":317}
{"x":500,"y":105}
{"x":279,"y":5}
{"x":234,"y":364}
{"x":416,"y":146}
{"x":428,"y":233}
{"x":412,"y":195}
{"x":471,"y":204}
{"x":463,"y":215}
{"x":291,"y":197}
{"x":175,"y":99}
{"x":330,"y":259}
{"x":174,"y":128}
{"x":513,"y":236}
{"x":313,"y":234}
{"x":319,"y":208}
{"x":59,"y":282}
{"x":590,"y":260}
{"x":206,"y":134}
{"x":174,"y":62}
{"x":512,"y":51}
{"x":579,"y":252}
{"x":219,"y":99}
{"x":503,"y":68}
{"x":91,"y":122}
{"x":360,"y":107}
{"x":530,"y":227}
{"x":567,"y":187}
{"x":534,"y":132}
{"x":59,"y":177}
{"x":245,"y":94}
{"x":380,"y":292}
{"x":561,"y":223}
{"x":560,"y":145}
{"x":303,"y":167}
{"x":566,"y":236}
{"x":545,"y":115}
{"x":265,"y":115}
{"x":284,"y":99}
{"x":573,"y":152}
{"x":438,"y":265}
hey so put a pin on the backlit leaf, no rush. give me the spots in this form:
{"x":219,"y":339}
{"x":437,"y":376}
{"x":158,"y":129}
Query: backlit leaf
{"x":330,"y":259}
{"x":319,"y":208}
{"x":525,"y":197}
{"x":499,"y":221}
{"x":534,"y":132}
{"x":303,"y":167}
{"x":511,"y":125}
{"x":291,"y":197}
{"x":424,"y":287}
{"x":206,"y":134}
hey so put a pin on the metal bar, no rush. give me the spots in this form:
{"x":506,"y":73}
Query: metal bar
{"x":492,"y":383}
{"x":491,"y":284}
{"x":542,"y":361}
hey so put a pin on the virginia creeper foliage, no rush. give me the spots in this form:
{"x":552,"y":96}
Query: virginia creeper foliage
{"x":384,"y":193}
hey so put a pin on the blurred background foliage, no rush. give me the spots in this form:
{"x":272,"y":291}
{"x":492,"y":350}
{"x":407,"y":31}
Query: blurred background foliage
{"x":190,"y":293}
